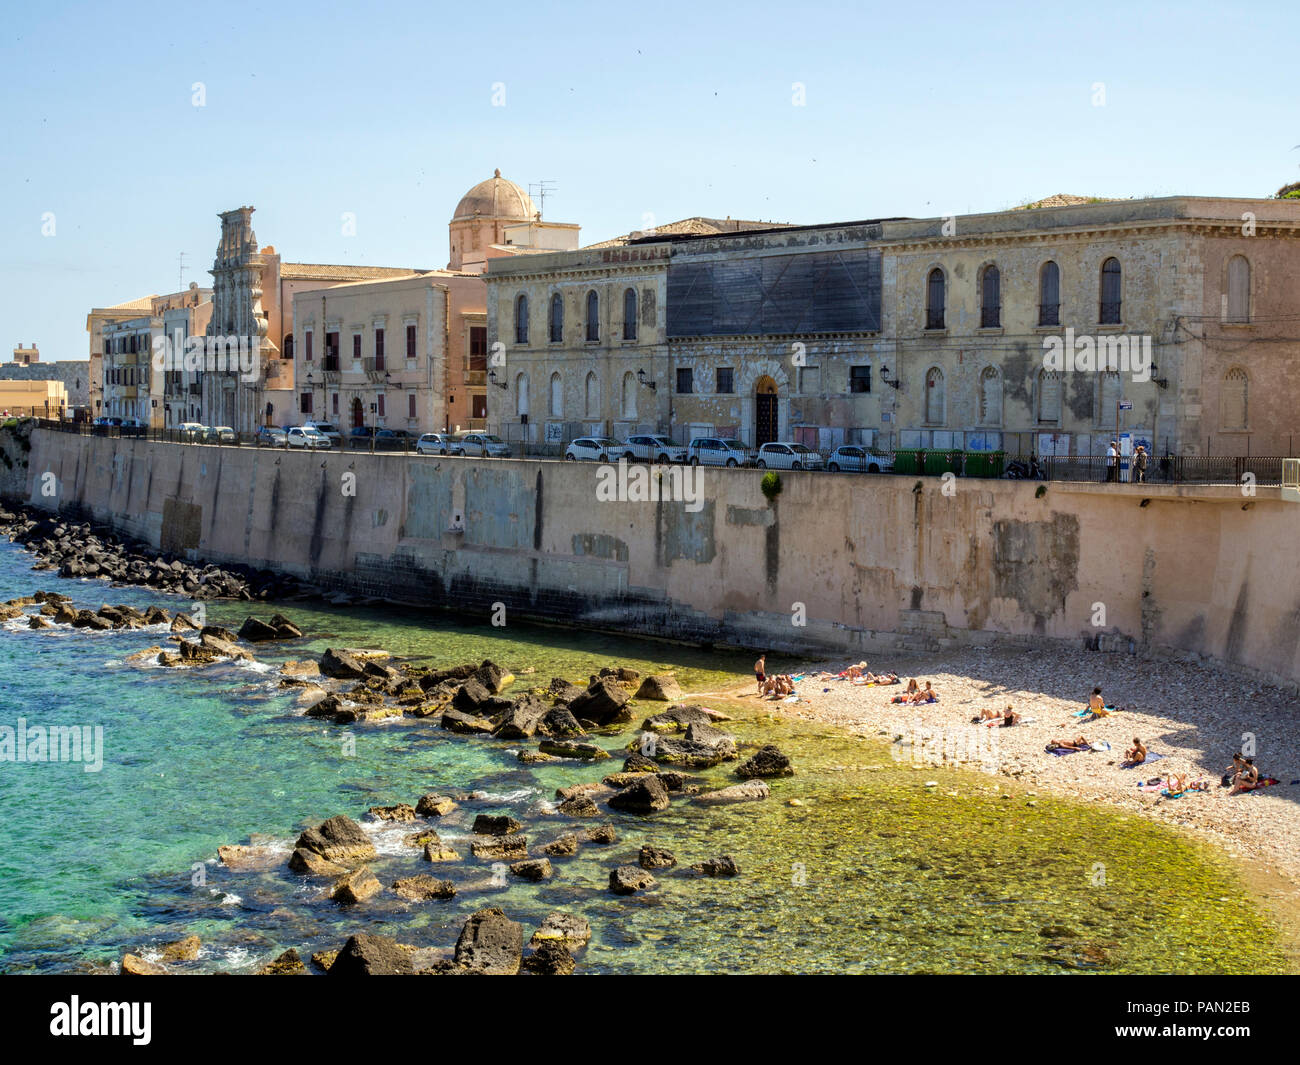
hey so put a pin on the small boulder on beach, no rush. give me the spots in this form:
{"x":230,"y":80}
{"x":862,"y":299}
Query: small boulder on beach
{"x":629,"y":879}
{"x":370,"y":955}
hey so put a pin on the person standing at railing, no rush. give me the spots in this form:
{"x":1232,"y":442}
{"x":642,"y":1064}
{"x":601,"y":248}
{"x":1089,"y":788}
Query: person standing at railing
{"x":1140,"y":464}
{"x":1112,"y":461}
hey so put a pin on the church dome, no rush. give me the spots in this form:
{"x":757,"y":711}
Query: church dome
{"x":496,"y":197}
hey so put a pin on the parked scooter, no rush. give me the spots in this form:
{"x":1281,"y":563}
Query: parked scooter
{"x":1020,"y":470}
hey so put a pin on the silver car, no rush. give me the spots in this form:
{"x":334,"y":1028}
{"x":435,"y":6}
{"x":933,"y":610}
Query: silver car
{"x":433,"y":444}
{"x":859,"y":459}
{"x":305,"y":436}
{"x":480,"y":445}
{"x":787,"y":455}
{"x":597,"y":449}
{"x":656,"y":449}
{"x":716,"y":451}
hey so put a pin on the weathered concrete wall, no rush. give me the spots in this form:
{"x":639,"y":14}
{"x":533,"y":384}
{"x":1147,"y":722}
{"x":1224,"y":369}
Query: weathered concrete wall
{"x":876,"y":562}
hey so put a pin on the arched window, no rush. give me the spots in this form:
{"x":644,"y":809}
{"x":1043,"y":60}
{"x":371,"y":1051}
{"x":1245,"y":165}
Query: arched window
{"x":593,"y":315}
{"x":557,"y":318}
{"x":990,"y":396}
{"x":1234,"y":400}
{"x":629,"y":394}
{"x":934,"y":397}
{"x":521,"y":394}
{"x":1110,"y":390}
{"x":1111,"y":293}
{"x":990,"y":298}
{"x":592,"y":396}
{"x":1049,"y":397}
{"x":629,"y":314}
{"x":934,"y":298}
{"x":521,"y":319}
{"x":1049,"y":294}
{"x":557,"y":396}
{"x":288,"y":345}
{"x":1238,"y":289}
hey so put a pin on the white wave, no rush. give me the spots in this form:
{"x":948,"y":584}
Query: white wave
{"x":502,"y":796}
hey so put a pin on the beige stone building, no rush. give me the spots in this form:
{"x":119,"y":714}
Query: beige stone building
{"x":948,"y":332}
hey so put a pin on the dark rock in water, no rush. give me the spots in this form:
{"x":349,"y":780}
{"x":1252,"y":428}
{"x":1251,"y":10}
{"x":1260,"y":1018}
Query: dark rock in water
{"x":224,"y":648}
{"x":459,"y":721}
{"x":355,"y":887}
{"x":571,"y":749}
{"x":578,"y":806}
{"x":532,"y":869}
{"x":603,"y":703}
{"x":708,"y":736}
{"x":326,"y":707}
{"x":491,"y":943}
{"x":493,"y":677}
{"x":340,"y":839}
{"x":434,"y":806}
{"x":636,"y":762}
{"x":767,"y":761}
{"x":38,"y":622}
{"x":86,"y":619}
{"x":566,"y":845}
{"x":679,"y":782}
{"x":688,"y":754}
{"x":601,"y":834}
{"x":560,"y":723}
{"x":496,"y":825}
{"x":401,"y":812}
{"x":644,"y":796}
{"x":369,"y":955}
{"x":655,"y":858}
{"x":574,"y":790}
{"x":618,"y":781}
{"x":500,"y":848}
{"x":550,"y":959}
{"x":562,"y":691}
{"x":677,"y":719}
{"x":383,"y":672}
{"x":284,"y":628}
{"x":471,"y":693}
{"x":182,"y":623}
{"x":749,"y":791}
{"x":660,"y":688}
{"x":342,"y":665}
{"x":422,"y":888}
{"x":219,"y":633}
{"x":565,"y":928}
{"x":429,"y":681}
{"x":724,"y":866}
{"x":521,"y":720}
{"x":629,"y":879}
{"x":287,"y":964}
{"x":309,"y":863}
{"x":254,"y":630}
{"x":421,"y":838}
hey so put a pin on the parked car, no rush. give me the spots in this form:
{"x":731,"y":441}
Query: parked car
{"x":597,"y":449}
{"x":191,"y":432}
{"x":433,"y":444}
{"x":370,"y":438}
{"x":132,"y":423}
{"x":656,"y":449}
{"x":480,"y":445}
{"x":108,"y":423}
{"x":859,"y":459}
{"x":716,"y":451}
{"x":787,"y":455}
{"x":270,"y":436}
{"x":326,"y":429}
{"x":307,"y":436}
{"x":220,"y":434}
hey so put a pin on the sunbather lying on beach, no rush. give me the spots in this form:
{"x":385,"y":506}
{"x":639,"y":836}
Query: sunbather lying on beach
{"x":1079,"y":743}
{"x":994,"y":718}
{"x":876,"y":678}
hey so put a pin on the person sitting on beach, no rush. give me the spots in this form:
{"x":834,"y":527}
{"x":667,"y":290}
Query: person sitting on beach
{"x":1233,"y":771}
{"x":989,"y":714}
{"x":1098,"y":705}
{"x":929,"y":695}
{"x":854,"y":672}
{"x":1079,"y":743}
{"x":1176,"y":785}
{"x":1248,"y":778}
{"x":912,"y":687}
{"x":1137,"y":754}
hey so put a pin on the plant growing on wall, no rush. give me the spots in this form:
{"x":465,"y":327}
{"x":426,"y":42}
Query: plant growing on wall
{"x":771,"y":485}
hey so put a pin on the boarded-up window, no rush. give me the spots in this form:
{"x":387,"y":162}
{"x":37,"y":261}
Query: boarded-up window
{"x":521,"y":394}
{"x":593,"y":315}
{"x":521,"y":319}
{"x":557,"y":396}
{"x":1235,"y":399}
{"x":1049,"y":295}
{"x":557,"y":318}
{"x":991,"y":298}
{"x":592,"y":403}
{"x":629,"y":394}
{"x":1238,"y":289}
{"x":934,"y":298}
{"x":1049,"y":397}
{"x":1110,"y":392}
{"x":990,"y":396}
{"x":934,"y":396}
{"x":1111,"y":293}
{"x":629,"y":314}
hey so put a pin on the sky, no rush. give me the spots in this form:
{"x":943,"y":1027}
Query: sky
{"x":129,"y":126}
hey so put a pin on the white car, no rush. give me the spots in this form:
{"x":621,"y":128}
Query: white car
{"x":787,"y":455}
{"x":193,"y":431}
{"x":307,"y":436}
{"x":327,"y":430}
{"x":716,"y":451}
{"x":433,"y":444}
{"x":859,"y":459}
{"x":480,"y":445}
{"x":597,"y":449}
{"x":656,"y":449}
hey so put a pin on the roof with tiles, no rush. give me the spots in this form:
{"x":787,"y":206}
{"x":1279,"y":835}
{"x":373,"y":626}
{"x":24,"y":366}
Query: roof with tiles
{"x":696,"y":226}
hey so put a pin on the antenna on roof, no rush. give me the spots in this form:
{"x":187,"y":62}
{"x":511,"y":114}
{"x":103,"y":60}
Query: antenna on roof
{"x":180,"y":272}
{"x":544,"y":189}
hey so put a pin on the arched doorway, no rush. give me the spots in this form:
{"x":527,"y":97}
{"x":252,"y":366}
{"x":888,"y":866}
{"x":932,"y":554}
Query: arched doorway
{"x":766,"y":427}
{"x":358,"y":415}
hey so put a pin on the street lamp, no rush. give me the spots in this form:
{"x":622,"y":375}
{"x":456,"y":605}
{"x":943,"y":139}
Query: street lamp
{"x":652,"y":385}
{"x":492,"y":377}
{"x":894,"y":384}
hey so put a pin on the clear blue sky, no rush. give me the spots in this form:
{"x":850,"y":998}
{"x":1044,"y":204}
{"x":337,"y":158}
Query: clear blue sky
{"x":668,"y":110}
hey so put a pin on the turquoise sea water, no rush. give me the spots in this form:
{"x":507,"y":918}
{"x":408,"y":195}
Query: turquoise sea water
{"x":871,"y":871}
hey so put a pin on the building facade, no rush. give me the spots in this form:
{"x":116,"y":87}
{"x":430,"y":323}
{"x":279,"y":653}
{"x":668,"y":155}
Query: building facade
{"x":1045,"y":330}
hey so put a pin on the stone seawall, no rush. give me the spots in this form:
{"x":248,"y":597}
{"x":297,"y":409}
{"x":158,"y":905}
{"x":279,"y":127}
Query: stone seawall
{"x":850,"y":564}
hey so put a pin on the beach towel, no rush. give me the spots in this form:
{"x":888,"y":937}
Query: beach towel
{"x":1087,"y":711}
{"x":1152,"y":786}
{"x":1263,"y":782}
{"x":1151,"y":757}
{"x":1061,"y":752}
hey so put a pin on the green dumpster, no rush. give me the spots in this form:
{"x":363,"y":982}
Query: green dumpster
{"x":907,"y":461}
{"x":984,"y":463}
{"x":938,"y":462}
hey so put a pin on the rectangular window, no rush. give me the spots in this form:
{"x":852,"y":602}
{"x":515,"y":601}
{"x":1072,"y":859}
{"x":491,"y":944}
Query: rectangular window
{"x":410,"y":405}
{"x":685,"y":380}
{"x":305,"y":403}
{"x":356,"y":345}
{"x":859,"y":378}
{"x":379,"y":349}
{"x":380,"y":400}
{"x":478,"y":348}
{"x":410,"y":341}
{"x":334,"y":403}
{"x":725,"y":384}
{"x":331,"y":351}
{"x":478,"y":407}
{"x":306,"y":346}
{"x":810,"y":380}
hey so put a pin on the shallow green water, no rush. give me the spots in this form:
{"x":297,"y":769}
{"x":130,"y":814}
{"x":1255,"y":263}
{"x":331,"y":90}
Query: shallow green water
{"x":873,"y":872}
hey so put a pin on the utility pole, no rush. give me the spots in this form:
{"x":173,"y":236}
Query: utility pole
{"x":180,"y":272}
